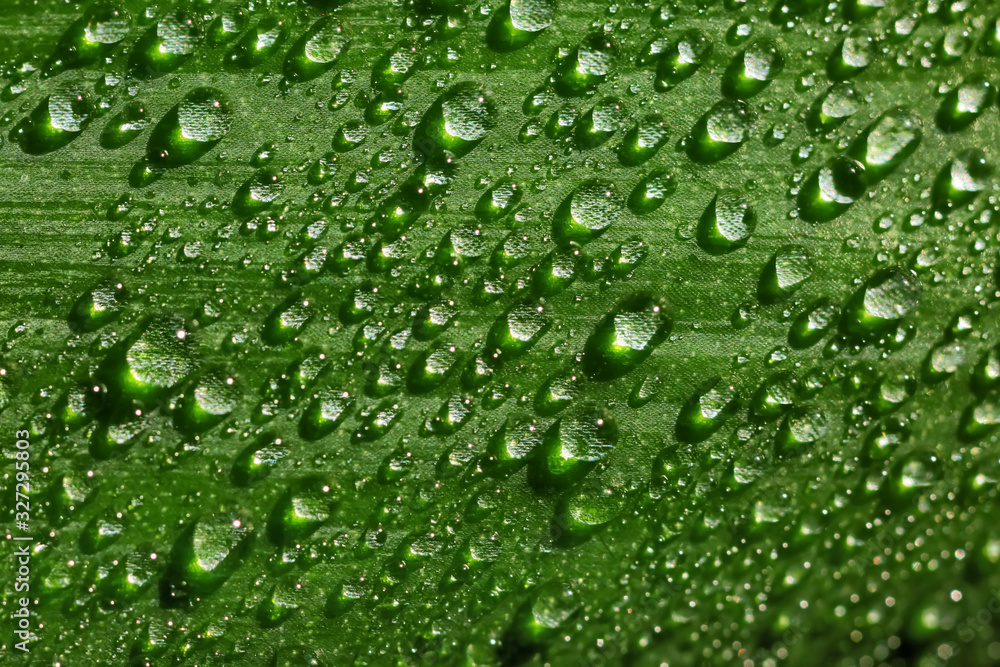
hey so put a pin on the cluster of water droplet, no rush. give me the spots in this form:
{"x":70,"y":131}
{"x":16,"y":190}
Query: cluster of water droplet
{"x":430,"y":366}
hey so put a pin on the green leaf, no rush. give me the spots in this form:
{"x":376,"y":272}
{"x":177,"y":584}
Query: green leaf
{"x":515,"y":332}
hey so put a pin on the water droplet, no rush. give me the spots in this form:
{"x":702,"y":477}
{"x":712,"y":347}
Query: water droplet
{"x":774,"y":397}
{"x":286,"y":321}
{"x":190,"y":129}
{"x":600,"y":123}
{"x":586,"y":213}
{"x":125,"y":126}
{"x":259,"y":43}
{"x":327,"y":410}
{"x":98,"y":307}
{"x":157,"y":359}
{"x":887,"y":297}
{"x":961,"y":180}
{"x":789,"y":268}
{"x":625,"y":337}
{"x":891,"y":392}
{"x":384,"y":106}
{"x":518,"y":22}
{"x":980,"y":419}
{"x":432,"y":368}
{"x":57,"y":120}
{"x":682,"y":59}
{"x":852,"y":56}
{"x":986,"y":373}
{"x":587,"y":66}
{"x":513,"y":444}
{"x":583,"y":511}
{"x":204,"y":556}
{"x":886,"y":143}
{"x":538,"y":620}
{"x":455,"y":123}
{"x":650,"y":193}
{"x":211,"y":400}
{"x":751,"y":71}
{"x":301,"y":510}
{"x":832,"y":189}
{"x":515,"y":332}
{"x":572,"y":447}
{"x":167,"y":45}
{"x":813,"y":324}
{"x":706,"y":411}
{"x":257,"y":194}
{"x":643,"y":141}
{"x":91,"y":38}
{"x":833,"y":107}
{"x":727,"y":223}
{"x":316,"y":51}
{"x":498,"y":201}
{"x":720,"y":132}
{"x":801,"y":428}
{"x":965,"y":103}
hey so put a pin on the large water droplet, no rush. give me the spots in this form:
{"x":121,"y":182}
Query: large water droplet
{"x":586,"y":213}
{"x":167,"y":45}
{"x":682,"y":59}
{"x":887,"y":297}
{"x":706,"y":411}
{"x":57,"y":120}
{"x":190,"y":129}
{"x":455,"y":123}
{"x":588,"y":65}
{"x":727,"y":223}
{"x":572,"y":447}
{"x":790,"y":266}
{"x":625,"y":337}
{"x":832,"y":189}
{"x":886,"y":143}
{"x":316,"y":51}
{"x":720,"y":132}
{"x":518,"y":22}
{"x":751,"y":71}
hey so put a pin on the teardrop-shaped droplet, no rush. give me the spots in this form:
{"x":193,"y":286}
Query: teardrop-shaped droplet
{"x":57,"y":120}
{"x":190,"y":129}
{"x":682,"y":59}
{"x":752,"y":70}
{"x":167,"y":45}
{"x":625,"y":337}
{"x":455,"y":123}
{"x":316,"y":51}
{"x":588,"y":65}
{"x":706,"y":411}
{"x":965,"y":103}
{"x":259,"y":43}
{"x":650,"y":193}
{"x":91,"y":38}
{"x":126,"y":125}
{"x":832,"y":189}
{"x":886,"y":297}
{"x":852,"y":56}
{"x":833,"y":107}
{"x":886,"y":143}
{"x":789,"y":268}
{"x":727,"y":223}
{"x":518,"y":22}
{"x":572,"y":447}
{"x":586,"y":213}
{"x":643,"y":141}
{"x":720,"y":132}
